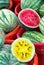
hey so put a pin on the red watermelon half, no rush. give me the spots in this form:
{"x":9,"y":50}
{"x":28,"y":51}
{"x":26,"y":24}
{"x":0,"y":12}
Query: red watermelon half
{"x":29,"y":18}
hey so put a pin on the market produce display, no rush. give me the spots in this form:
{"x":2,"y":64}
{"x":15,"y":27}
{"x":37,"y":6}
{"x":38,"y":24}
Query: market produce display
{"x":8,"y":20}
{"x":29,"y":19}
{"x":27,"y":22}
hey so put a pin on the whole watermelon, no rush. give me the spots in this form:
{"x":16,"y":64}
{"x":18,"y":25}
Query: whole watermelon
{"x":41,"y":25}
{"x":8,"y":20}
{"x":42,"y":10}
{"x":33,"y":4}
{"x":4,"y":3}
{"x":7,"y":48}
{"x":4,"y":58}
{"x":2,"y":39}
{"x":33,"y":36}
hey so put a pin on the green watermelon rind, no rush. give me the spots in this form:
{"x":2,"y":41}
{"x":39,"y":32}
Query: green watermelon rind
{"x":41,"y":25}
{"x":2,"y":38}
{"x":42,"y":10}
{"x":4,"y":4}
{"x":6,"y":48}
{"x":33,"y":36}
{"x":4,"y":58}
{"x":8,"y":20}
{"x":30,"y":4}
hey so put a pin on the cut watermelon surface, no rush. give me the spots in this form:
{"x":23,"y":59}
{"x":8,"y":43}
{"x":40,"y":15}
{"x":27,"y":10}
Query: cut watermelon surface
{"x":23,"y":49}
{"x":29,"y":18}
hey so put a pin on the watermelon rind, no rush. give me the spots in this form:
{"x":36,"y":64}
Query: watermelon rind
{"x":2,"y":38}
{"x":33,"y":4}
{"x":34,"y":36}
{"x":41,"y":25}
{"x":8,"y":20}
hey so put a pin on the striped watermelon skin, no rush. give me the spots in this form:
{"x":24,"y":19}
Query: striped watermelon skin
{"x":4,"y":3}
{"x":42,"y":10}
{"x":4,"y":58}
{"x":41,"y":25}
{"x":2,"y":39}
{"x":33,"y":4}
{"x":7,"y":48}
{"x":33,"y":36}
{"x":8,"y":20}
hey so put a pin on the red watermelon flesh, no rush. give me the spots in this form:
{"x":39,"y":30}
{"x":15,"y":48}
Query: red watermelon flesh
{"x":29,"y":18}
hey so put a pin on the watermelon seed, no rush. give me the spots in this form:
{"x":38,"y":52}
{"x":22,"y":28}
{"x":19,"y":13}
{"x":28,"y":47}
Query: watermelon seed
{"x":20,"y":44}
{"x":26,"y":45}
{"x":29,"y":48}
{"x":22,"y":54}
{"x":22,"y":41}
{"x":26,"y":54}
{"x":18,"y":47}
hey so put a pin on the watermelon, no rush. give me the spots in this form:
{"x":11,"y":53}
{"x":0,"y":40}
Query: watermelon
{"x":7,"y":48}
{"x":14,"y":61}
{"x":4,"y":3}
{"x":29,"y":19}
{"x":8,"y":20}
{"x":23,"y":49}
{"x":33,"y":4}
{"x":2,"y":39}
{"x":33,"y":36}
{"x":4,"y":58}
{"x":41,"y":25}
{"x":42,"y":10}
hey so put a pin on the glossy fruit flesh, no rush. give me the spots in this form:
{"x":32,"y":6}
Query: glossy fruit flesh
{"x":29,"y":18}
{"x":23,"y":49}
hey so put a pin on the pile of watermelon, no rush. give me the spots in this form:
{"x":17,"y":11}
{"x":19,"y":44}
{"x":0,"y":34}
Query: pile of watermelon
{"x":28,"y":24}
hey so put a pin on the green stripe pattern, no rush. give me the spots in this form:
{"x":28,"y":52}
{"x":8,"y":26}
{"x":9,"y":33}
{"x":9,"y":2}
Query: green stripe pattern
{"x":33,"y":4}
{"x":8,"y":20}
{"x":4,"y":3}
{"x":33,"y":36}
{"x":41,"y":25}
{"x":7,"y":48}
{"x":4,"y":58}
{"x":2,"y":39}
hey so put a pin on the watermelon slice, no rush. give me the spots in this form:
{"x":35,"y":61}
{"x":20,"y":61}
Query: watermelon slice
{"x":29,"y":18}
{"x":23,"y":49}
